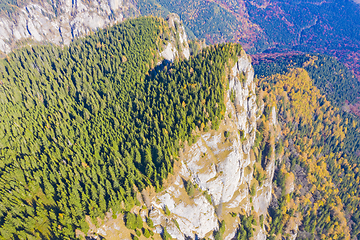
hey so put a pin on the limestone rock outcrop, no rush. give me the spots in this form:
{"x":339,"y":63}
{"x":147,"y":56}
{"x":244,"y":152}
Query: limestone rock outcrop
{"x":220,"y":167}
{"x":177,"y":45}
{"x":60,"y":21}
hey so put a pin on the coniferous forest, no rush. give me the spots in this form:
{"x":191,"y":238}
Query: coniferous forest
{"x":86,"y":126}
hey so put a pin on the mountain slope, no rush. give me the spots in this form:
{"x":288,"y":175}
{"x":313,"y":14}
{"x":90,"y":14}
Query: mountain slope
{"x":83,"y":128}
{"x":333,"y":78}
{"x":328,"y":27}
{"x":309,"y":147}
{"x":216,"y":183}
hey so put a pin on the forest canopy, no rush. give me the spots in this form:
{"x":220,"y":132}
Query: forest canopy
{"x":83,"y":127}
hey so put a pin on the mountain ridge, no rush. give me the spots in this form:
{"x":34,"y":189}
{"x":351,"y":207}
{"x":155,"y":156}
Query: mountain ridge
{"x":78,"y":110}
{"x":220,"y":164}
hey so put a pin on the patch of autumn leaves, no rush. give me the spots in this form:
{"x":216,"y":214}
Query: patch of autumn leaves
{"x":300,"y":103}
{"x":303,"y":95}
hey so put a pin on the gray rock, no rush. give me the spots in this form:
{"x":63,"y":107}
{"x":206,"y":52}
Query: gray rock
{"x":170,"y":52}
{"x":223,"y":169}
{"x":39,"y":22}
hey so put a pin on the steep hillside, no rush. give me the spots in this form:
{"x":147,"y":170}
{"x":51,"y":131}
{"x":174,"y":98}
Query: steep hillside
{"x":87,"y":128}
{"x":321,"y":145}
{"x":290,"y":176}
{"x":84,"y":128}
{"x":220,"y":182}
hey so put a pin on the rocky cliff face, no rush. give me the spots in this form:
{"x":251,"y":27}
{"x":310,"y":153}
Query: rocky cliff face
{"x":60,"y":21}
{"x":177,"y":45}
{"x":221,"y":167}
